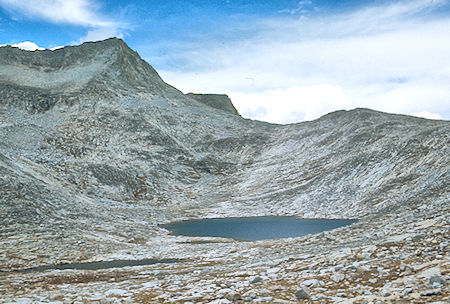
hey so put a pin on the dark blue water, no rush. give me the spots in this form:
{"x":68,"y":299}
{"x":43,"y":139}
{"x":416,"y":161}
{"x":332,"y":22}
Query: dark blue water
{"x":254,"y":228}
{"x":100,"y":265}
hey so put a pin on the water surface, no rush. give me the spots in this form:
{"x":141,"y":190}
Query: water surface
{"x":255,"y":228}
{"x":100,"y":265}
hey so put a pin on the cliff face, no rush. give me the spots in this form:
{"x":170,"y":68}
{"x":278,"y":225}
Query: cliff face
{"x":95,"y":150}
{"x":218,"y":101}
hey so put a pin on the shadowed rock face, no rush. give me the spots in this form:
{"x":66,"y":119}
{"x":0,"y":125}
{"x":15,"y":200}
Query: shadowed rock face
{"x":218,"y":101}
{"x":96,"y":150}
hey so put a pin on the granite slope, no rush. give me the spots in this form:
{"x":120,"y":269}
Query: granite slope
{"x":96,"y":150}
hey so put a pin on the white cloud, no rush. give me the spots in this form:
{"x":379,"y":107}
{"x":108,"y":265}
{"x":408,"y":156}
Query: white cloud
{"x":27,"y":46}
{"x":392,"y":58}
{"x":77,"y":12}
{"x":83,"y":13}
{"x":302,"y":7}
{"x":101,"y":33}
{"x":292,"y":104}
{"x":427,"y":115}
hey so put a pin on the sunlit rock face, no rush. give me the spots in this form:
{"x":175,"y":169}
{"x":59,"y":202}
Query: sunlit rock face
{"x":96,"y":150}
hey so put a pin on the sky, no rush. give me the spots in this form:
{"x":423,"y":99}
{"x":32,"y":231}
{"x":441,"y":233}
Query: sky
{"x":281,"y":61}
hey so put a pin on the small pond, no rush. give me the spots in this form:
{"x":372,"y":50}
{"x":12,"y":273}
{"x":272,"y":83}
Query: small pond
{"x":100,"y":265}
{"x":254,"y":228}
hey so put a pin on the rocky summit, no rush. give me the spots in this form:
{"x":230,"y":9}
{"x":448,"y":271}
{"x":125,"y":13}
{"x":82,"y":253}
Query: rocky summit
{"x":96,"y":151}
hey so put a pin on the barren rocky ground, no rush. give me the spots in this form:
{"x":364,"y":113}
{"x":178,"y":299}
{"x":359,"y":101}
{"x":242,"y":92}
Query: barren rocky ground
{"x":96,"y":151}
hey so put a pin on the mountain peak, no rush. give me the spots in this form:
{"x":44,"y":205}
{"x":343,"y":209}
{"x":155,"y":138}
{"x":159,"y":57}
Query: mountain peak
{"x":38,"y":80}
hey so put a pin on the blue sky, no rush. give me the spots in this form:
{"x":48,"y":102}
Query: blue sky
{"x":280,"y":61}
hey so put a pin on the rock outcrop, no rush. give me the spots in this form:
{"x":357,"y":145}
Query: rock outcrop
{"x":218,"y":101}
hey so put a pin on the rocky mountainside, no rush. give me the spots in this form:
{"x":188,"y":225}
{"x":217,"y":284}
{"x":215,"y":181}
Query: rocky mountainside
{"x":96,"y":150}
{"x":36,"y":81}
